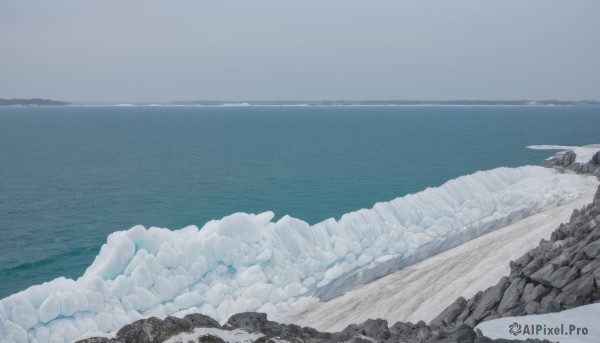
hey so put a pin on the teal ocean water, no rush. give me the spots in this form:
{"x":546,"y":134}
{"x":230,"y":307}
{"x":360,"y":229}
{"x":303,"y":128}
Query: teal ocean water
{"x":69,"y":176}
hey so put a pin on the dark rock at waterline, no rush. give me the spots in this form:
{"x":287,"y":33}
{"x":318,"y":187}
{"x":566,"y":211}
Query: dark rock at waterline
{"x":567,"y":161}
{"x":568,"y":158}
{"x":596,"y":158}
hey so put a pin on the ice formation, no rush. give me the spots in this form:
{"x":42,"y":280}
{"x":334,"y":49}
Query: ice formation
{"x":246,"y":262}
{"x":569,"y":321}
{"x":423,"y":290}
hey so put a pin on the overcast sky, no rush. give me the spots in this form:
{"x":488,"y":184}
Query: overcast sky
{"x":119,"y":50}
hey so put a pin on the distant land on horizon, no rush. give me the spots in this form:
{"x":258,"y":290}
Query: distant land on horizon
{"x":48,"y":102}
{"x":32,"y":102}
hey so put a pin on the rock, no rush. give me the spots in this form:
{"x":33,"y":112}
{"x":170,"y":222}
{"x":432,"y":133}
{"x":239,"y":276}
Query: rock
{"x":584,"y":285}
{"x":580,"y":265}
{"x":594,"y":235}
{"x":376,"y":328}
{"x":597,"y":277}
{"x":201,"y":321}
{"x":543,"y":275}
{"x":533,"y":266}
{"x":96,"y":340}
{"x":549,"y":297}
{"x":517,"y":311}
{"x":345,"y":335}
{"x":250,"y":321}
{"x":554,"y":237}
{"x":372,"y":328}
{"x":561,"y":260}
{"x":511,"y":296}
{"x":532,"y":307}
{"x":524,"y":260}
{"x":592,"y":250}
{"x":472,"y":322}
{"x":400,"y":328}
{"x":550,"y":307}
{"x":589,"y":267}
{"x":532,"y":292}
{"x":596,"y":158}
{"x":462,"y":317}
{"x":450,"y":313}
{"x":423,"y":333}
{"x":570,"y":300}
{"x":210,"y":339}
{"x":568,"y":158}
{"x":492,"y":316}
{"x":555,"y":278}
{"x":489,"y":299}
{"x":462,"y":333}
{"x":563,"y":276}
{"x":153,"y":330}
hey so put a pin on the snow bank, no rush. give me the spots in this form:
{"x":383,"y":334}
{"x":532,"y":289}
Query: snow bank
{"x":423,"y":290}
{"x":583,"y":153}
{"x":246,"y":262}
{"x":564,"y":326}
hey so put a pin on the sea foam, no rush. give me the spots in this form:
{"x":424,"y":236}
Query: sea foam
{"x":247,"y":262}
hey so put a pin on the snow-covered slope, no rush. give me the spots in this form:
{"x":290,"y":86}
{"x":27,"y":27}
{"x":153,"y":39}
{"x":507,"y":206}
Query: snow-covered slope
{"x":245,"y":262}
{"x":423,"y":290}
{"x":578,"y":325}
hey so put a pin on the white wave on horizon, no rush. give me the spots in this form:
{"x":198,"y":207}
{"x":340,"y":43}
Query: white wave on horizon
{"x":552,"y":147}
{"x":246,"y":262}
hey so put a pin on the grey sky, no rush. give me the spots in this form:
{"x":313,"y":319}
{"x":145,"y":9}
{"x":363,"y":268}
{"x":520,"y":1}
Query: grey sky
{"x":119,"y":50}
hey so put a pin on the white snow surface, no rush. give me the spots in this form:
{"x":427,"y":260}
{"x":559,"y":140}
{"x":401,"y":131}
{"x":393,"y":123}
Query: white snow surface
{"x":580,"y":317}
{"x":583,"y":154}
{"x":246,"y":262}
{"x":425,"y":289}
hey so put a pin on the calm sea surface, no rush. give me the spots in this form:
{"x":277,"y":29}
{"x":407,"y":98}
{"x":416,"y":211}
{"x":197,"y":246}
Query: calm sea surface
{"x":69,"y":176}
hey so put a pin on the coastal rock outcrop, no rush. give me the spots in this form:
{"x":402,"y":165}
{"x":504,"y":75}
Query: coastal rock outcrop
{"x":568,"y":161}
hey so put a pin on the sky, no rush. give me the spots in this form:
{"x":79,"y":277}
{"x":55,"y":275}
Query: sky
{"x":145,"y":51}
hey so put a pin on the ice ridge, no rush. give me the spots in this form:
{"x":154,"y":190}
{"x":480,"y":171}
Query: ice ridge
{"x":247,"y":262}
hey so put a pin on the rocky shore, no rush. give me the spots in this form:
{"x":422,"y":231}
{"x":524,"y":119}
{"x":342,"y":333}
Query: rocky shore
{"x":559,"y":274}
{"x":567,"y":161}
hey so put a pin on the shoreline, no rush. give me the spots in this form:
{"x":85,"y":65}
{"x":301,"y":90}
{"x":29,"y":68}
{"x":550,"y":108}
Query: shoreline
{"x":431,"y":283}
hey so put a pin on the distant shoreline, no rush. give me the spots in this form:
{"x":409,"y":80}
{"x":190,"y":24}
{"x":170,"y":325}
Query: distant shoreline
{"x":341,"y":103}
{"x":32,"y":102}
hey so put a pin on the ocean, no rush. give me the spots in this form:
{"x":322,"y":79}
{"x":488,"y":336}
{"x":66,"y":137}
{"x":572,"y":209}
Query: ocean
{"x":69,"y":176}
